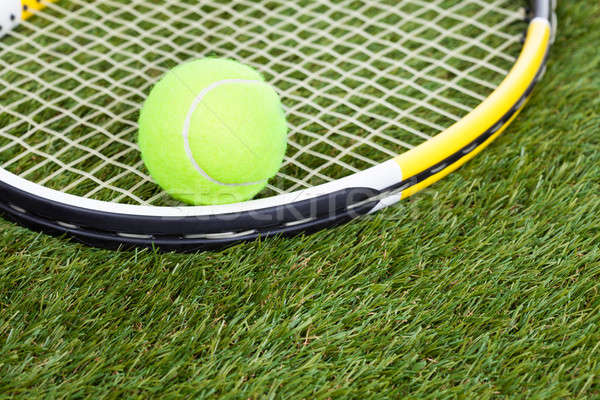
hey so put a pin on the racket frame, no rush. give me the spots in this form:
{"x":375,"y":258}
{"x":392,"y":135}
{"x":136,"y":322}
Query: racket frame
{"x":113,"y":225}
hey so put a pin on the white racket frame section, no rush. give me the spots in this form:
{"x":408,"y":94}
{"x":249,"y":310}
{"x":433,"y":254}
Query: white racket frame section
{"x":378,"y":178}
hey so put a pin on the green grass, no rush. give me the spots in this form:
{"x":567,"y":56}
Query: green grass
{"x":484,"y":286}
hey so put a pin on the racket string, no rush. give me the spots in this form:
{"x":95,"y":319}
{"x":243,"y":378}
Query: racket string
{"x":361,"y":80}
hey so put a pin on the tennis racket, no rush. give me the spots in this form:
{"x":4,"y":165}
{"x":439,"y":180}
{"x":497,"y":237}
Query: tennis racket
{"x":383,"y":98}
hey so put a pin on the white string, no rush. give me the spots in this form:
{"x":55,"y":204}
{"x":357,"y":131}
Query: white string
{"x":362,"y":80}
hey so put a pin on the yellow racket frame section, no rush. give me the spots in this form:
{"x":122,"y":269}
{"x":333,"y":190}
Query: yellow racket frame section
{"x":483,"y":117}
{"x":31,"y":6}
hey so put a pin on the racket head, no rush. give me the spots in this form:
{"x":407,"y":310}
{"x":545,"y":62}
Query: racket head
{"x":343,"y":182}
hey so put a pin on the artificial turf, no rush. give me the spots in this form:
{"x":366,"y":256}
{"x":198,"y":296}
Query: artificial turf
{"x":485,"y":285}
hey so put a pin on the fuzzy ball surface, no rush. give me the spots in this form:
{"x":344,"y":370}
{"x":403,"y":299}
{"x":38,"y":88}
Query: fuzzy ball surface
{"x":212,"y":131}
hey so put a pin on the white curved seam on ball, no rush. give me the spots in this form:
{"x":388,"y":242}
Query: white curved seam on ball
{"x":188,"y":121}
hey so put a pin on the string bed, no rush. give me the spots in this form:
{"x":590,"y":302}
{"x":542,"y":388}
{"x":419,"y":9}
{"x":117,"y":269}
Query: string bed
{"x":361,"y":80}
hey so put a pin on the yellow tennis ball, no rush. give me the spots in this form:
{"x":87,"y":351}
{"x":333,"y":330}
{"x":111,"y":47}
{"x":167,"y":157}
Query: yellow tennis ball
{"x":212,"y":132}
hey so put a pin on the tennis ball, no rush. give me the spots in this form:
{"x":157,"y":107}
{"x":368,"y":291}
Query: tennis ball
{"x":212,"y":132}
